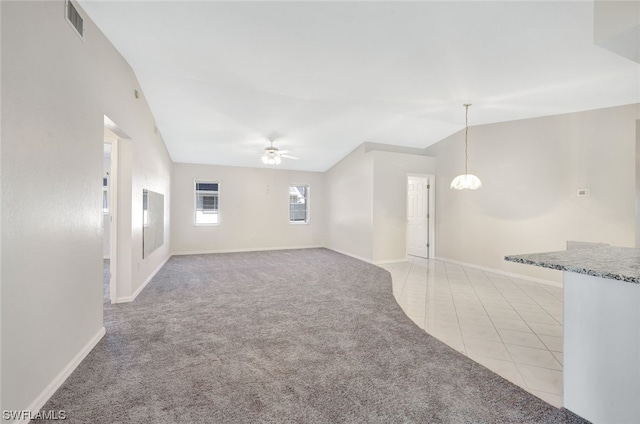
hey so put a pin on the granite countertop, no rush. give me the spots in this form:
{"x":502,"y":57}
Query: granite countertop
{"x":616,"y":263}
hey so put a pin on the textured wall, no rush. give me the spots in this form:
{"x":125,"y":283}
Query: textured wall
{"x":55,"y":92}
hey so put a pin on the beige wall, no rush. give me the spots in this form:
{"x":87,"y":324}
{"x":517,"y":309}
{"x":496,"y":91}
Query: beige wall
{"x":390,"y":172}
{"x":55,"y":91}
{"x":531,"y":170}
{"x":357,"y":207}
{"x":367,"y":199}
{"x":254,"y":210}
{"x":350,"y":204}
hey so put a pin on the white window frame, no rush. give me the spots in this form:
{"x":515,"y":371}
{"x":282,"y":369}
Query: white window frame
{"x":307,"y":203}
{"x":195,"y":203}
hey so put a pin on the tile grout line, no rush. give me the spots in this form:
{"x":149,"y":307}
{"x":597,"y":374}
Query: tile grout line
{"x":525,"y":321}
{"x":496,"y":328}
{"x":465,"y":284}
{"x":455,"y":308}
{"x":529,"y":326}
{"x":534,"y":332}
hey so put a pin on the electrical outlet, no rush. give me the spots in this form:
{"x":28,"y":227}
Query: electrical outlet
{"x":584,"y":192}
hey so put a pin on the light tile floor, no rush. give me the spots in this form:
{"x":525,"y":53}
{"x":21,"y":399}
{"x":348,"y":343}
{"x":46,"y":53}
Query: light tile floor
{"x":509,"y":325}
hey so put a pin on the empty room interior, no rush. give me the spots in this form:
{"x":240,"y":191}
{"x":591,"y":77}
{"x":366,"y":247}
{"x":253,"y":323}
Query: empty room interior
{"x":320,"y":211}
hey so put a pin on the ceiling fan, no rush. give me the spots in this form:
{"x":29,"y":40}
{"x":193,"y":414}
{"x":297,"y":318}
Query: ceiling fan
{"x":273,"y":156}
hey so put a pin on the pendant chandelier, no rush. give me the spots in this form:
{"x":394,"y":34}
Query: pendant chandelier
{"x":466,"y":180}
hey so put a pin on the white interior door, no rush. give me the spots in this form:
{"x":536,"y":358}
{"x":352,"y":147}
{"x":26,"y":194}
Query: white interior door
{"x":418,"y":216}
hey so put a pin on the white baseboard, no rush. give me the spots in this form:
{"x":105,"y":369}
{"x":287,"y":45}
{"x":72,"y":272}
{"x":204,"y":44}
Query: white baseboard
{"x":44,"y":396}
{"x":505,"y":273}
{"x":127,"y":299}
{"x":391,"y":261}
{"x":342,"y":252}
{"x":369,"y":261}
{"x":251,"y":249}
{"x":262,"y":249}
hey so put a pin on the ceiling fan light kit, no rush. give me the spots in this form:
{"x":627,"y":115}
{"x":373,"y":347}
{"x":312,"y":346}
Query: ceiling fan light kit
{"x":271,"y":159}
{"x":466,"y":180}
{"x":273,"y":156}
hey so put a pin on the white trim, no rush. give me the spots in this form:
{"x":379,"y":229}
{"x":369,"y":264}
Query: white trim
{"x":390,"y":261}
{"x":113,"y":215}
{"x":55,"y":384}
{"x":342,"y":252}
{"x":131,"y":298}
{"x":251,"y":249}
{"x":505,"y":273}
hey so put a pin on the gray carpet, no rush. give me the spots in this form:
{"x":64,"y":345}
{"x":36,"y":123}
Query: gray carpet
{"x":304,"y":336}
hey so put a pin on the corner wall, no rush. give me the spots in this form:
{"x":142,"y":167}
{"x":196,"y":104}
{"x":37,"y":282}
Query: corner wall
{"x":531,"y":170}
{"x":56,"y":89}
{"x":367,"y":201}
{"x":349,"y":206}
{"x":390,"y":172}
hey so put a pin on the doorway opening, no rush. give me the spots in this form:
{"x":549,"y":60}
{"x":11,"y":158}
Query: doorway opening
{"x":113,"y":135}
{"x":420,"y":215}
{"x":109,"y":215}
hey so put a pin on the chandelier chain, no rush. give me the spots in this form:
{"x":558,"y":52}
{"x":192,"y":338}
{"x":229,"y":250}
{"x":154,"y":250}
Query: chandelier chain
{"x":466,"y":132}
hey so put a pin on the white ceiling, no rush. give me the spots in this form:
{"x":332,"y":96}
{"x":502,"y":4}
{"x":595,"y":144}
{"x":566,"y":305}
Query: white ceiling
{"x":220,"y":77}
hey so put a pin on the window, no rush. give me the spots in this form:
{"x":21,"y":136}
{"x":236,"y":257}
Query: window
{"x":299,"y":204}
{"x":207,"y":202}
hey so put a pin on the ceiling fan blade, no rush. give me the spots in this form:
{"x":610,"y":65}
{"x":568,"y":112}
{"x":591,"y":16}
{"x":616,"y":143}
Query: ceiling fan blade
{"x":289,"y":157}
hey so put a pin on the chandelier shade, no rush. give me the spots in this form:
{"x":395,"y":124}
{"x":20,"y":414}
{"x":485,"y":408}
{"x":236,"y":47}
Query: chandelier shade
{"x":466,"y":180}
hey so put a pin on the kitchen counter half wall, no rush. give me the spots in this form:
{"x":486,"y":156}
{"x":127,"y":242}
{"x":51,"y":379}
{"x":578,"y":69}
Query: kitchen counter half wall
{"x":616,"y":263}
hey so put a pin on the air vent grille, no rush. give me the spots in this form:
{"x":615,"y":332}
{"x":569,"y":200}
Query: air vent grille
{"x":75,"y":19}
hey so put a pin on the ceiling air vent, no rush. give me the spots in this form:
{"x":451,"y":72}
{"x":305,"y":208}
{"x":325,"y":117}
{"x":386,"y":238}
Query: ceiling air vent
{"x":75,"y":19}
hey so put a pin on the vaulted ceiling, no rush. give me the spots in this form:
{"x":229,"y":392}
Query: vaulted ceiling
{"x":221,"y":77}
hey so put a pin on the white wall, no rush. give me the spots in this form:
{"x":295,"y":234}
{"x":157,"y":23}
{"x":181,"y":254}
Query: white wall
{"x":616,"y":26}
{"x":390,"y":201}
{"x":55,"y":91}
{"x":350,"y":204}
{"x":254,"y":210}
{"x":530,"y":171}
{"x":143,"y":163}
{"x":106,"y":245}
{"x":367,"y":200}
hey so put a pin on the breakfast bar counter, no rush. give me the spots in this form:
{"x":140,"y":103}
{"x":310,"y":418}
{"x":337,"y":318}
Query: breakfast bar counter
{"x":601,"y":363}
